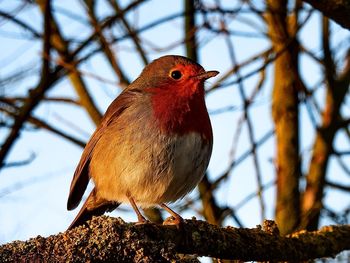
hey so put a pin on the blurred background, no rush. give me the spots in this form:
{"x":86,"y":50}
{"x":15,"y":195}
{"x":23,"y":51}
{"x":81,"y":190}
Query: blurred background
{"x":279,"y":108}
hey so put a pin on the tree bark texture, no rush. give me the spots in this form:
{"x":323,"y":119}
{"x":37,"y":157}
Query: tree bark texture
{"x":285,"y":114}
{"x":107,"y":239}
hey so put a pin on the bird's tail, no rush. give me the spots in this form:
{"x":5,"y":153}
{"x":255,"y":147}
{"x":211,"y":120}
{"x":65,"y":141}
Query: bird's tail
{"x":92,"y":207}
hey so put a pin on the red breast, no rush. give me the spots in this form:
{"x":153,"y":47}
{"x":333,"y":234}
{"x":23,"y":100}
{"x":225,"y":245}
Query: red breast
{"x":177,"y":96}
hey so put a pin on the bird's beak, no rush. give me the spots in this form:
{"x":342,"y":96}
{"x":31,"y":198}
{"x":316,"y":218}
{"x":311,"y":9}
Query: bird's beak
{"x":207,"y":75}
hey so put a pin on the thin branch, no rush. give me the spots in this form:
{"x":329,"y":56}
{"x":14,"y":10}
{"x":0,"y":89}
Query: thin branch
{"x":72,"y":68}
{"x":232,"y":71}
{"x":135,"y":36}
{"x":48,"y":99}
{"x":47,"y":79}
{"x":254,"y":194}
{"x":62,"y":47}
{"x":29,"y":181}
{"x":341,"y":153}
{"x":339,"y":218}
{"x":20,"y":23}
{"x":105,"y":45}
{"x":18,"y":75}
{"x":343,"y":165}
{"x":108,"y":22}
{"x":338,"y":186}
{"x":42,"y":124}
{"x":250,"y":128}
{"x":212,"y":211}
{"x":338,"y":10}
{"x":19,"y":163}
{"x":190,"y":30}
{"x":244,"y":156}
{"x":337,"y":87}
{"x":125,"y":36}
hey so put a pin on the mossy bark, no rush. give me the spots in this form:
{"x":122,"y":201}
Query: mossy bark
{"x":107,"y":239}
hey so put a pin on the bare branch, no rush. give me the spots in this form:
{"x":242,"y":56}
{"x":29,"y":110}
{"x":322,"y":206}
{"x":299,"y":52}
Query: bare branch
{"x":135,"y":37}
{"x":47,"y":79}
{"x":20,"y":163}
{"x":337,"y":10}
{"x":338,"y":186}
{"x":41,"y":124}
{"x":105,"y":45}
{"x":48,"y":99}
{"x":336,"y":89}
{"x":244,"y":156}
{"x":20,"y":23}
{"x":251,"y":135}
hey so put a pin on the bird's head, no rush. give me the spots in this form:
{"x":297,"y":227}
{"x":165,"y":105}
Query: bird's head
{"x":176,"y":88}
{"x":176,"y":75}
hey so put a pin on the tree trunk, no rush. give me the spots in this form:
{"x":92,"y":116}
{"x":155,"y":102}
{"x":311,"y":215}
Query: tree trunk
{"x":285,"y":114}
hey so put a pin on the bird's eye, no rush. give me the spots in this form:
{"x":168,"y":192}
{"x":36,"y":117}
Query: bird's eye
{"x":176,"y":74}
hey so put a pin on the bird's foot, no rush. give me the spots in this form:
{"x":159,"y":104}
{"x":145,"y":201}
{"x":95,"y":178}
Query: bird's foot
{"x":142,"y":220}
{"x":173,"y":221}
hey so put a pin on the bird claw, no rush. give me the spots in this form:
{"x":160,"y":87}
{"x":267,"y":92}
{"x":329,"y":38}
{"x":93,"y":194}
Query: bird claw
{"x":143,"y":221}
{"x":173,"y":221}
{"x":138,"y":223}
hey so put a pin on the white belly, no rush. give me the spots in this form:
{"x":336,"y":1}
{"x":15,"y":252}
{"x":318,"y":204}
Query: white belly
{"x":156,"y":170}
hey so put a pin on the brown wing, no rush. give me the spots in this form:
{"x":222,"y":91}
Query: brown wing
{"x":99,"y":208}
{"x":81,"y":175}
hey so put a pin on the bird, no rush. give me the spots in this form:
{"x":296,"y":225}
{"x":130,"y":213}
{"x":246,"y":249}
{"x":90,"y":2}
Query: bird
{"x":153,"y":144}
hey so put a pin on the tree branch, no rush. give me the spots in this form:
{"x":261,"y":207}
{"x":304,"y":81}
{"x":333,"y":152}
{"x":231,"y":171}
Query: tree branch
{"x":34,"y":97}
{"x":20,"y":23}
{"x":337,"y":10}
{"x":337,"y":86}
{"x":282,"y":30}
{"x":135,"y":37}
{"x":42,"y":124}
{"x":110,"y":239}
{"x":105,"y":45}
{"x":62,"y":47}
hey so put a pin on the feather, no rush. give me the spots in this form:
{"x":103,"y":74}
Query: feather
{"x":81,"y":175}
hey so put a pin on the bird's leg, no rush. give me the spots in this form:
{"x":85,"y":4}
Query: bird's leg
{"x":140,"y":217}
{"x":176,"y":218}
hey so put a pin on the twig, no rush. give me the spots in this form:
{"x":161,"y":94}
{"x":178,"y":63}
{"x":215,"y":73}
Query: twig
{"x":20,"y":23}
{"x":131,"y":31}
{"x":35,"y":95}
{"x":252,"y":195}
{"x":244,"y":156}
{"x":19,"y":163}
{"x":338,"y":186}
{"x":42,"y":124}
{"x":105,"y":45}
{"x":48,"y":99}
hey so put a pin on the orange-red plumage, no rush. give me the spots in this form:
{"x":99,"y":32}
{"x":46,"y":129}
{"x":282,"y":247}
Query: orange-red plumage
{"x":181,"y":109}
